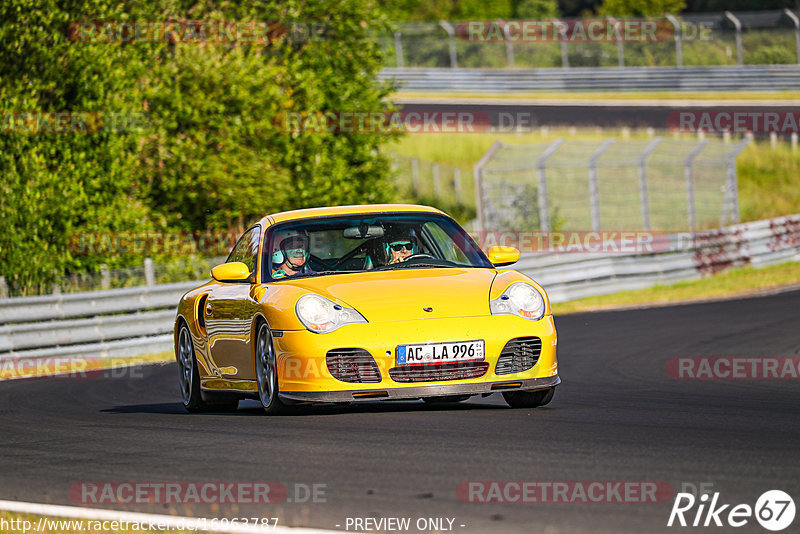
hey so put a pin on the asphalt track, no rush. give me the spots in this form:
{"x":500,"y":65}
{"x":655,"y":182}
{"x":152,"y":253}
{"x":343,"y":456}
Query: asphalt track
{"x":506,"y":116}
{"x":618,"y":416}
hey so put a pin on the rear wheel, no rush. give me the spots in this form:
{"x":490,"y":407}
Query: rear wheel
{"x":529,"y":399}
{"x":445,"y":398}
{"x":267,"y":371}
{"x":191,"y":395}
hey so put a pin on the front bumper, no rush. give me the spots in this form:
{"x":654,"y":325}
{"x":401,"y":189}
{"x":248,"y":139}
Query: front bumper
{"x":418,"y":392}
{"x":304,"y":375}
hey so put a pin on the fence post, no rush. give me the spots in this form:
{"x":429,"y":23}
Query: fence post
{"x":451,"y":38}
{"x":435,"y":172}
{"x":457,"y":184}
{"x":678,"y":39}
{"x":796,"y":23}
{"x":149,"y":272}
{"x":477,"y":174}
{"x":544,"y":213}
{"x":731,"y":204}
{"x":644,"y":198}
{"x":415,"y":175}
{"x":738,"y":26}
{"x":687,"y":170}
{"x":618,"y":39}
{"x":509,"y":45}
{"x":3,"y":288}
{"x":594,"y":197}
{"x":105,"y":277}
{"x":398,"y":49}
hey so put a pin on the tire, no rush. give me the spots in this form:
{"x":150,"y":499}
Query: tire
{"x":267,"y":371}
{"x":529,"y":399}
{"x":446,"y":398}
{"x":190,"y":379}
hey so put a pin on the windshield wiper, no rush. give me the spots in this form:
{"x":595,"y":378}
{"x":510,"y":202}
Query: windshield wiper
{"x":403,"y":265}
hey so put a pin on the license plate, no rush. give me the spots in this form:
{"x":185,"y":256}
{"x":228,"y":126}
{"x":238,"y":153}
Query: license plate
{"x":459,"y":351}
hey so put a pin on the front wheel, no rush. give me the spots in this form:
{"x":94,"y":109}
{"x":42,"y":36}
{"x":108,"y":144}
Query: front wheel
{"x":267,"y":371}
{"x":529,"y":399}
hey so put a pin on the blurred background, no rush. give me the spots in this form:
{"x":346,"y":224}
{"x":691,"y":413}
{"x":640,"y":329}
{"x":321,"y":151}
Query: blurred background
{"x":186,"y":139}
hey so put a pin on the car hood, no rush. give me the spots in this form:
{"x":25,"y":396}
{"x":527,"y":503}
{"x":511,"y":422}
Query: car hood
{"x":404,"y":294}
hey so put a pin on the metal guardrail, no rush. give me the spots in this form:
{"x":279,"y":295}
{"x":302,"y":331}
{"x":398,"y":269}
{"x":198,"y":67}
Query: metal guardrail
{"x":113,"y":331}
{"x":90,"y":303}
{"x":740,"y":78}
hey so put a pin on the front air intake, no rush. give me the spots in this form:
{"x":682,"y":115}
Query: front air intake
{"x":353,"y":365}
{"x":519,"y":354}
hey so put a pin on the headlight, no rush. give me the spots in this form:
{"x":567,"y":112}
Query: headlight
{"x":320,"y":315}
{"x":519,"y":299}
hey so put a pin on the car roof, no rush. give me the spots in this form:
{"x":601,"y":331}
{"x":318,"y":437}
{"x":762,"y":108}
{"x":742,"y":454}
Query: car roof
{"x":346,"y":210}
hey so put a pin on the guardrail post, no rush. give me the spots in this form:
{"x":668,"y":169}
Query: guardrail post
{"x":477,"y":174}
{"x":796,"y":23}
{"x":398,"y":49}
{"x":688,"y":172}
{"x":451,"y":38}
{"x":3,"y":288}
{"x":678,"y":39}
{"x":544,"y":212}
{"x":730,"y":204}
{"x":435,"y":172}
{"x":564,"y":55}
{"x":738,"y":26}
{"x":594,"y":196}
{"x":618,"y":38}
{"x":457,"y":184}
{"x":149,"y":272}
{"x":644,"y":198}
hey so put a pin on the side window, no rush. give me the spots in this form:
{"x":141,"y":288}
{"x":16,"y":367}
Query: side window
{"x":246,"y":249}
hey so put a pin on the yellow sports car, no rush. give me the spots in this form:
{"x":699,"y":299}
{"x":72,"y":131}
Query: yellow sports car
{"x":373,"y":302}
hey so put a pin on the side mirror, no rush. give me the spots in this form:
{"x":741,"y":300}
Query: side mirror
{"x":234,"y":271}
{"x":502,"y":256}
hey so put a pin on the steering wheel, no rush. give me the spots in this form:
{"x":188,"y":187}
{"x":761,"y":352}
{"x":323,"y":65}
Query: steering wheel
{"x":418,"y":255}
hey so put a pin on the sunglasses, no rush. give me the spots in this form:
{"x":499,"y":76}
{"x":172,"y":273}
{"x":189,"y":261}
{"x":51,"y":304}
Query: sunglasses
{"x":397,"y":247}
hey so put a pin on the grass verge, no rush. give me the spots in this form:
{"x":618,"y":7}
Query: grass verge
{"x":740,"y":281}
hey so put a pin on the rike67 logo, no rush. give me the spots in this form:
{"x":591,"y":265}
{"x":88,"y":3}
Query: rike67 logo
{"x":774,"y":510}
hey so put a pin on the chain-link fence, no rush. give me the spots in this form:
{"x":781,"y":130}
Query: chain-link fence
{"x":741,"y":38}
{"x":421,"y":179}
{"x":658,"y":184}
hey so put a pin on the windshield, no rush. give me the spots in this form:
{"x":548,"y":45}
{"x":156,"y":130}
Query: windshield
{"x":372,"y":242}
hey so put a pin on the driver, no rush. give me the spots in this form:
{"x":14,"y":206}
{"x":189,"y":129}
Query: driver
{"x":291,"y":257}
{"x":400,"y":247}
